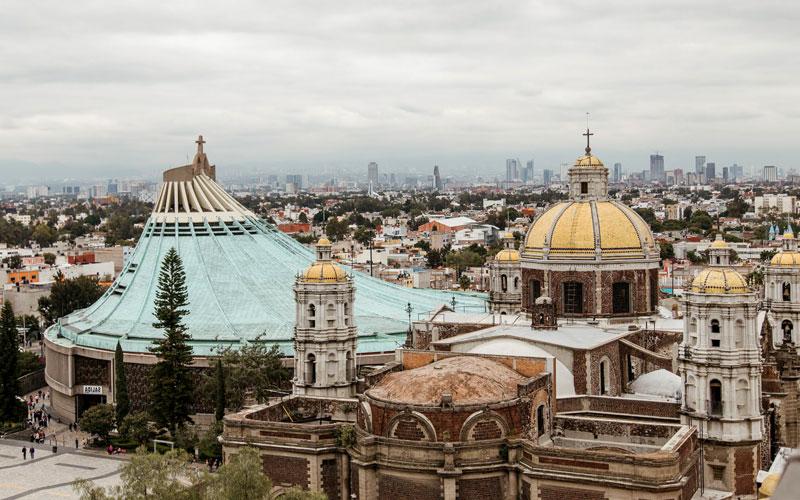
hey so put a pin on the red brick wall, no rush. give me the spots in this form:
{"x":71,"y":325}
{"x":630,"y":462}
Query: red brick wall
{"x":547,"y":492}
{"x":283,"y":470}
{"x":527,"y":276}
{"x":579,"y":371}
{"x":636,"y":279}
{"x":480,"y":488}
{"x":404,"y":488}
{"x":745,"y":471}
{"x":354,"y":488}
{"x":330,"y":478}
{"x":410,"y":429}
{"x":586,"y":278}
{"x":613,"y":384}
{"x":485,"y":429}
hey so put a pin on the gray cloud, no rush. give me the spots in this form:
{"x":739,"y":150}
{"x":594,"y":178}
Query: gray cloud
{"x":97,"y":86}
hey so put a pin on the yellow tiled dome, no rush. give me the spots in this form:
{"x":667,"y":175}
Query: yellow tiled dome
{"x":719,"y":244}
{"x":568,"y":230}
{"x":719,"y":280}
{"x":588,"y":160}
{"x":786,"y":259}
{"x":507,"y":255}
{"x":324,"y":272}
{"x":324,"y":242}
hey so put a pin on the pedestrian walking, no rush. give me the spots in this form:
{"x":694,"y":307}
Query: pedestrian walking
{"x":24,"y":453}
{"x":76,"y":443}
{"x":31,"y":450}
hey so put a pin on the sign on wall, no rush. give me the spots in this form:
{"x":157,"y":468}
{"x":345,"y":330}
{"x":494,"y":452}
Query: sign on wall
{"x":93,"y":389}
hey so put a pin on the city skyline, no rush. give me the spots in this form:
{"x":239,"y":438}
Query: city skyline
{"x":338,"y":86}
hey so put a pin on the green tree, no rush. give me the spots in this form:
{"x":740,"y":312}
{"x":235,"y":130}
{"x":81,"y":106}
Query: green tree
{"x":136,"y":427}
{"x":241,"y":478}
{"x":123,"y":406}
{"x":667,"y":250}
{"x":219,"y":411}
{"x":68,"y":295}
{"x":303,"y":218}
{"x":9,"y":352}
{"x":464,"y":282}
{"x":49,"y":258}
{"x":44,"y":235}
{"x":364,"y":236}
{"x":98,"y":419}
{"x":252,"y":371}
{"x":118,"y":228}
{"x":171,"y":385}
{"x":434,"y":258}
{"x":13,"y":261}
{"x":464,"y":258}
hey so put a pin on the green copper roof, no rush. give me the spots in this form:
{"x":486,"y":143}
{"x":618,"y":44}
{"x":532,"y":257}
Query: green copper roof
{"x":240,"y":274}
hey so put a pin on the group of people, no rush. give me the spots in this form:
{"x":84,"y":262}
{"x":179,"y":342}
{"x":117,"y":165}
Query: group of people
{"x":25,"y":452}
{"x":38,"y":419}
{"x":213,"y":464}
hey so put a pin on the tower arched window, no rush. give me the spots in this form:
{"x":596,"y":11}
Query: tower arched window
{"x":535,"y":290}
{"x":742,"y":393}
{"x":349,"y":366}
{"x":540,"y":427}
{"x":621,"y":297}
{"x":604,"y":377}
{"x":787,"y":327}
{"x":311,"y":369}
{"x":312,"y":315}
{"x":693,"y":332}
{"x":516,"y":283}
{"x":739,"y":330}
{"x":716,"y":341}
{"x":690,"y":394}
{"x":504,"y":282}
{"x":573,"y":297}
{"x":346,"y":313}
{"x":715,"y":397}
{"x":786,"y":292}
{"x":330,"y":314}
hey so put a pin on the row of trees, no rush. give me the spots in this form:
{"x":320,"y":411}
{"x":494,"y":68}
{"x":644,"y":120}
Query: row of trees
{"x":171,"y":477}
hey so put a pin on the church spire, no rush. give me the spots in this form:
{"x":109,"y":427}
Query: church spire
{"x":588,"y":135}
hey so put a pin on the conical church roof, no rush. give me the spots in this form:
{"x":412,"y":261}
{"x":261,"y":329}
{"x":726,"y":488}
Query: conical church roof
{"x":239,"y":274}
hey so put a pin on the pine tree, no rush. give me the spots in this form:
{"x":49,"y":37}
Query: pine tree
{"x":9,"y":352}
{"x":220,"y":408}
{"x":123,"y":406}
{"x":171,"y":384}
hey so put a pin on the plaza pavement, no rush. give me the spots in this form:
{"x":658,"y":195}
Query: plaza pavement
{"x":49,"y":475}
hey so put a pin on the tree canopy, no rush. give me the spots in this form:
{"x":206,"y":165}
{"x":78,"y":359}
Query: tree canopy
{"x":68,"y":295}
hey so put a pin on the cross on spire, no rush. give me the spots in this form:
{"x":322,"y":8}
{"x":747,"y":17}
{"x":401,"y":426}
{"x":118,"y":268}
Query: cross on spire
{"x":200,"y":143}
{"x":588,"y":135}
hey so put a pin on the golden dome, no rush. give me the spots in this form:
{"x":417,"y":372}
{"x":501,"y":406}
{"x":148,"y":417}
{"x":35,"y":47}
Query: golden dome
{"x":588,"y":160}
{"x":719,"y":244}
{"x":786,"y":259}
{"x":324,"y":272}
{"x":507,"y":255}
{"x":567,"y":230}
{"x":324,"y":242}
{"x":719,"y":280}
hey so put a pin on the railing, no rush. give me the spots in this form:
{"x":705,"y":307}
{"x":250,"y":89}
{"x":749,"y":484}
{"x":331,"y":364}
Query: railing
{"x":31,"y":381}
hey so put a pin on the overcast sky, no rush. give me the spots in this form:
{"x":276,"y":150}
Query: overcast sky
{"x":88,"y":87}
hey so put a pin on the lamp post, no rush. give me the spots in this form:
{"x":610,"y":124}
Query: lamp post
{"x":409,"y":335}
{"x":453,"y":303}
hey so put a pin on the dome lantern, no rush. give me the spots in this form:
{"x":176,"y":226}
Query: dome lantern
{"x":588,"y":177}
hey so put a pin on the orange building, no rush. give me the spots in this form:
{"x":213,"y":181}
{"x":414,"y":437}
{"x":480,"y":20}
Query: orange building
{"x":23,"y":276}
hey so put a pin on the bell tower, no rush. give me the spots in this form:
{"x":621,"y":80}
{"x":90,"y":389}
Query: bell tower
{"x":325,"y":336}
{"x":720,"y":364}
{"x":505,"y":279}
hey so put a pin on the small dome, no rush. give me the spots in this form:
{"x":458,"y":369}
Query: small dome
{"x":567,"y":230}
{"x":507,"y":255}
{"x":324,"y":272}
{"x":786,"y":259}
{"x":719,"y":280}
{"x":588,"y":160}
{"x":468,"y":379}
{"x":719,"y":243}
{"x":324,"y":242}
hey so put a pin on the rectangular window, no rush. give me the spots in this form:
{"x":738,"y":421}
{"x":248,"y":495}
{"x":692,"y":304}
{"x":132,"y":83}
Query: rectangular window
{"x":715,"y":342}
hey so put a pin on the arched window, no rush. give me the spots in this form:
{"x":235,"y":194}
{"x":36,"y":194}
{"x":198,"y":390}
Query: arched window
{"x":715,"y":397}
{"x":693,"y":332}
{"x":311,"y":369}
{"x":716,"y":260}
{"x":504,"y":282}
{"x":739,"y":333}
{"x":346,"y":313}
{"x":742,"y":393}
{"x":330,"y":314}
{"x":332,"y":365}
{"x":787,"y":292}
{"x":312,"y":315}
{"x":621,"y":298}
{"x":603,"y":379}
{"x":786,"y":328}
{"x":690,"y":394}
{"x":516,"y":283}
{"x":573,"y":297}
{"x":535,"y":290}
{"x":716,"y":341}
{"x":584,"y":188}
{"x":540,"y":421}
{"x":349,"y":366}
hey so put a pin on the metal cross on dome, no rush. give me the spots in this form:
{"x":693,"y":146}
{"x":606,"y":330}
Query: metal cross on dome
{"x":588,"y":135}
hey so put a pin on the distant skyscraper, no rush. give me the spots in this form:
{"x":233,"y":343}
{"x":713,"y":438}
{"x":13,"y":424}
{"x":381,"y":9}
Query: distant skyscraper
{"x":295,"y":180}
{"x":527,"y":174}
{"x":657,"y":168}
{"x":770,"y":173}
{"x":678,"y":175}
{"x":512,"y":170}
{"x":737,"y":172}
{"x":437,"y":179}
{"x":392,"y":180}
{"x":711,"y":172}
{"x":372,"y":174}
{"x":700,"y":164}
{"x":617,"y":176}
{"x":547,"y":176}
{"x":112,"y":186}
{"x":724,"y":174}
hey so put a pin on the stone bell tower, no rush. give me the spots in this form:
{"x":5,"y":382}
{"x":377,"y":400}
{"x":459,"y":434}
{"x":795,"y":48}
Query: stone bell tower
{"x":324,"y":333}
{"x":505,"y":278}
{"x":720,"y":364}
